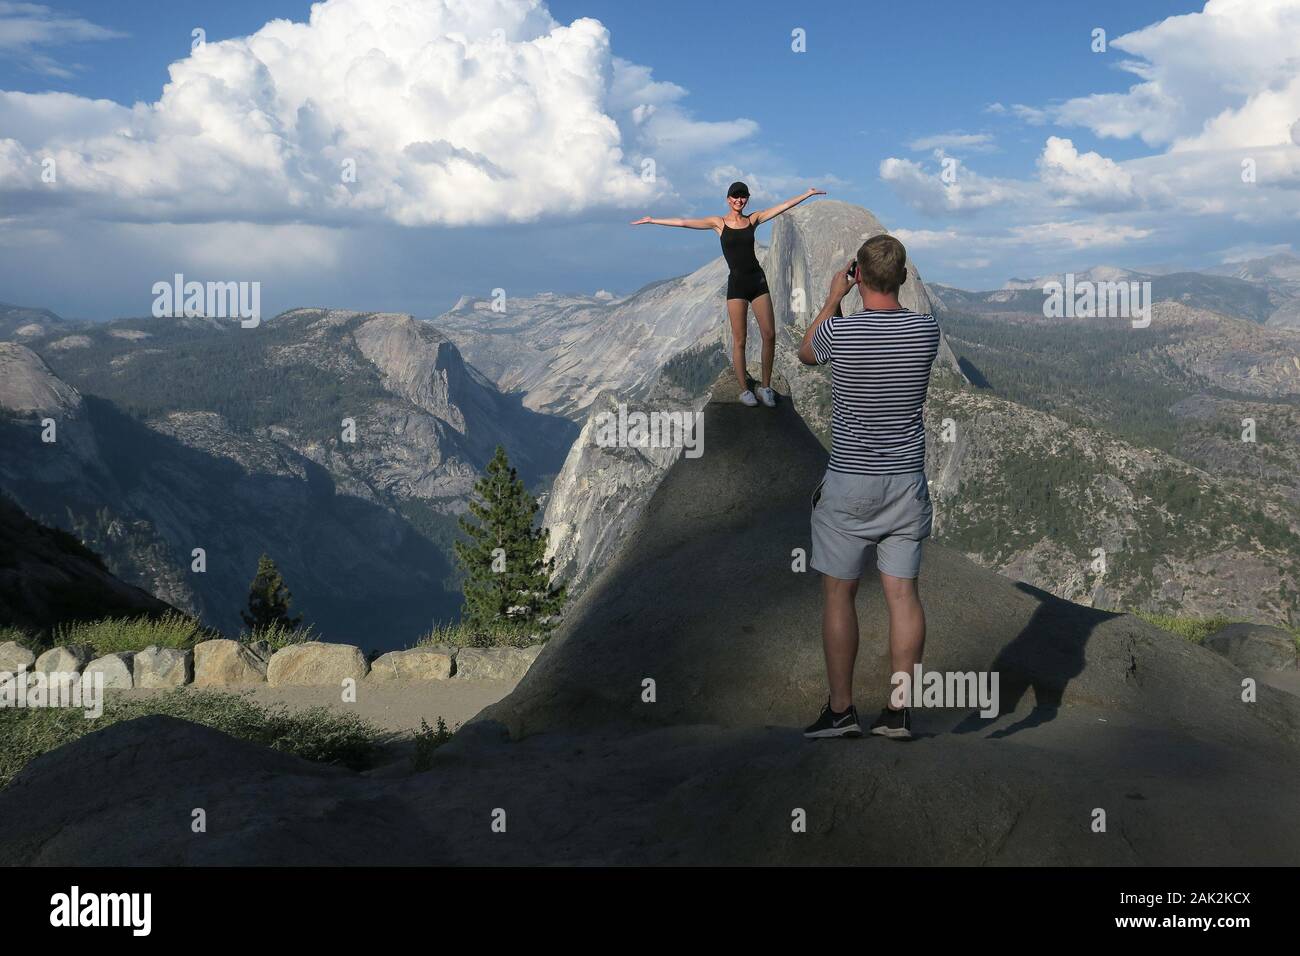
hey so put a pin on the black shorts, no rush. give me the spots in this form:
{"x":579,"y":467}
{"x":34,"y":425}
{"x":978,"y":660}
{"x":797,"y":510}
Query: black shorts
{"x":748,"y":286}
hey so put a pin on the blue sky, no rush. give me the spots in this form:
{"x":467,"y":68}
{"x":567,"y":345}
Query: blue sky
{"x":1064,"y":157}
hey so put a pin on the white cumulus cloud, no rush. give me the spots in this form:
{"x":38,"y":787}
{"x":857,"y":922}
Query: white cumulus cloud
{"x":1233,"y":64}
{"x":1083,"y":178}
{"x":447,"y":113}
{"x":949,"y":189}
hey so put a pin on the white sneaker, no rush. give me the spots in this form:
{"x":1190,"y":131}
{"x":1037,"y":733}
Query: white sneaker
{"x":768,"y":396}
{"x":747,"y":398}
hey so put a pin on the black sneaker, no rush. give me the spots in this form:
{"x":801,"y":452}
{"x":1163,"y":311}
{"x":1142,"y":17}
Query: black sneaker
{"x":831,"y":724}
{"x":895,"y":724}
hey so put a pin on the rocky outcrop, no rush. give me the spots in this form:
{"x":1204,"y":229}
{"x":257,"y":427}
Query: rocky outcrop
{"x":495,"y":663}
{"x":413,"y":358}
{"x":28,"y":385}
{"x":19,"y":323}
{"x":416,"y":663}
{"x":598,"y":495}
{"x":65,"y":659}
{"x":14,"y":658}
{"x":225,"y":663}
{"x":314,"y":663}
{"x":1255,"y":647}
{"x":562,"y":352}
{"x":164,"y":667}
{"x":49,"y":578}
{"x":116,"y":669}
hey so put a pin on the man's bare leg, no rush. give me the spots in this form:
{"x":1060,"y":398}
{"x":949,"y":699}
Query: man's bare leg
{"x":906,"y":623}
{"x":840,"y":638}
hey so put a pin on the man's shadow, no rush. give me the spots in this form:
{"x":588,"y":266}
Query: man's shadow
{"x":1046,"y":654}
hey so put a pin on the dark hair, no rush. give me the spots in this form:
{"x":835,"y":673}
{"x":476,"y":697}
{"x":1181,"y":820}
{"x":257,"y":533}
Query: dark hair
{"x":738,"y":189}
{"x":882,"y":264}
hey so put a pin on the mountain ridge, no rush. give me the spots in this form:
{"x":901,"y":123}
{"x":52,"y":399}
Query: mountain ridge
{"x":200,"y":435}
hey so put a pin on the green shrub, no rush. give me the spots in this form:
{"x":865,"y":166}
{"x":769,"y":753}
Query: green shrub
{"x":318,"y":734}
{"x":1194,"y":629}
{"x":279,"y":635}
{"x":116,"y":635}
{"x":496,"y":634}
{"x":427,"y":740}
{"x":24,"y":638}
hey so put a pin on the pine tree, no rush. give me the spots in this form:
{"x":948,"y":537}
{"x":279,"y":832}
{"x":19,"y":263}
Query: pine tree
{"x":507,"y":576}
{"x":268,"y":599}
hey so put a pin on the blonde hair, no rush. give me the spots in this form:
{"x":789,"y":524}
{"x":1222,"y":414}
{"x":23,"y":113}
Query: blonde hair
{"x":882,"y":264}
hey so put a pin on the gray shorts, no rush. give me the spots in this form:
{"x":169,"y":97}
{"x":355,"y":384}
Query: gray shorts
{"x":853,"y":512}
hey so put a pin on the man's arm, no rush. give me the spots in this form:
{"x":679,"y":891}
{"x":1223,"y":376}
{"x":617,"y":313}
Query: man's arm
{"x":841,"y":285}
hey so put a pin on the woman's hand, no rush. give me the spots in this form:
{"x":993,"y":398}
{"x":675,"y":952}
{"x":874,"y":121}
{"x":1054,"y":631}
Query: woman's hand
{"x":642,"y":221}
{"x":813,"y":191}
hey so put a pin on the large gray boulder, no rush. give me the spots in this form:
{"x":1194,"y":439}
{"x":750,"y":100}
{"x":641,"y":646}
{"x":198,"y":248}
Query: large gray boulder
{"x":416,"y":663}
{"x":226,"y":663}
{"x":495,"y":663}
{"x":163,"y":667}
{"x":14,"y":658}
{"x":64,"y":660}
{"x":116,"y":669}
{"x":315,"y":664}
{"x":1255,"y":647}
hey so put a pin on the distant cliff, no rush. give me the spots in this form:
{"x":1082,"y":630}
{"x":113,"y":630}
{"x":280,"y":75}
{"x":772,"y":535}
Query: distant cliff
{"x":344,"y":444}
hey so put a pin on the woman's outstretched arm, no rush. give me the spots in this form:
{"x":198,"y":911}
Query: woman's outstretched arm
{"x":708,"y":222}
{"x":775,"y":211}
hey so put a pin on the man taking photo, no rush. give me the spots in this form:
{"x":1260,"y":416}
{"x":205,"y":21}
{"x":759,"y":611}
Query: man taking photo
{"x":875,"y":491}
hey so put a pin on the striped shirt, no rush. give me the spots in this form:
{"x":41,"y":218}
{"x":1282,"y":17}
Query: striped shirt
{"x":880,"y":371}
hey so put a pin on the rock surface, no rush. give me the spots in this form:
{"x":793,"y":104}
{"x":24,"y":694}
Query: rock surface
{"x":116,"y":669}
{"x":14,"y":658}
{"x":564,"y":351}
{"x":29,"y":385}
{"x":1255,"y":647}
{"x":225,"y":663}
{"x":416,"y":663}
{"x":163,"y":667}
{"x":314,"y":663}
{"x":495,"y":663}
{"x":598,"y":495}
{"x":63,"y":660}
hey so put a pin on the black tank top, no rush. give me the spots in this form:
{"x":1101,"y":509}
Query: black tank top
{"x":738,"y":249}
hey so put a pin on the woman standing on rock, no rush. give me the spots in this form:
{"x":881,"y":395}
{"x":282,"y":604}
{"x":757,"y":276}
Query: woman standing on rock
{"x":746,"y":285}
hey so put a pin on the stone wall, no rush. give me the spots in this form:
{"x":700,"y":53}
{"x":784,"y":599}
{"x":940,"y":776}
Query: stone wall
{"x":230,"y":664}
